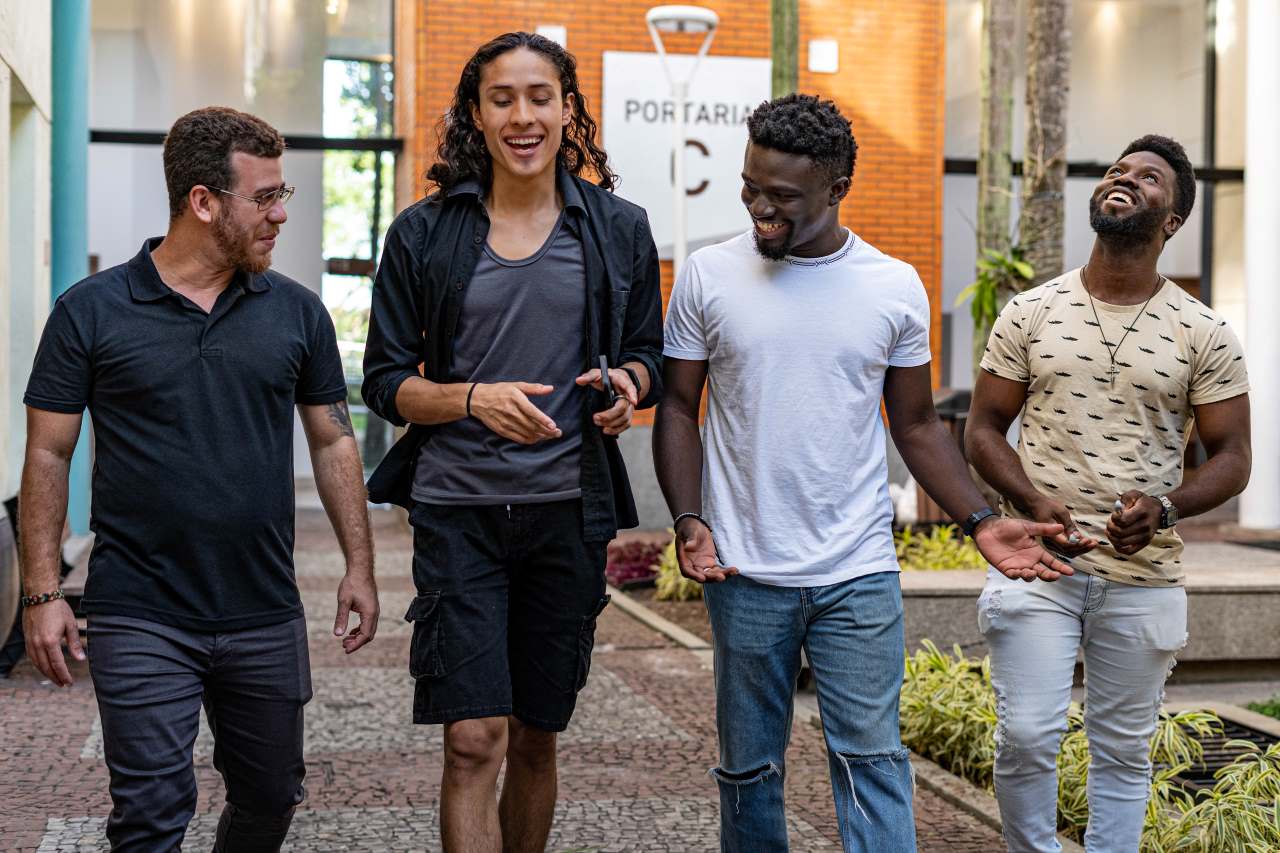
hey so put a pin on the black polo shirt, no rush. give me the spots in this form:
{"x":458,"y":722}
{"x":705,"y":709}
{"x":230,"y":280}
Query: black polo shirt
{"x":192,"y":413}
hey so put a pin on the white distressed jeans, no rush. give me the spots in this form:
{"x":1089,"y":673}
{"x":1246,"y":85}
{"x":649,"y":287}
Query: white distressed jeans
{"x":1129,"y":635}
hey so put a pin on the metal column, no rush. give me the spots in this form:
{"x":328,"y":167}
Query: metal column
{"x":69,"y":201}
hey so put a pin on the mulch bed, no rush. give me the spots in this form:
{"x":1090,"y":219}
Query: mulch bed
{"x":690,"y":615}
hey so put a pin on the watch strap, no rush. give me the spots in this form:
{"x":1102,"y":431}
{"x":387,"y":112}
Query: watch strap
{"x":972,"y":521}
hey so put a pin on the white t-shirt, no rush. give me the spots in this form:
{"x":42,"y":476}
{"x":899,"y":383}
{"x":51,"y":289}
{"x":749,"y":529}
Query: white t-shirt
{"x":795,"y":482}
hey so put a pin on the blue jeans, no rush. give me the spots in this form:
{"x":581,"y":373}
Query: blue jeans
{"x":1129,"y":635}
{"x":852,"y":635}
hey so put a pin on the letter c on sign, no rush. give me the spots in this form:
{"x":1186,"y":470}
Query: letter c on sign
{"x":702,"y":149}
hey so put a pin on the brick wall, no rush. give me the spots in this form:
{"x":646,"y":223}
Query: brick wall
{"x":890,"y":85}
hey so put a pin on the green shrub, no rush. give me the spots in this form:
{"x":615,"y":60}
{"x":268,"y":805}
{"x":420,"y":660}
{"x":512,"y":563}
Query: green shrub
{"x":670,"y":585}
{"x":1271,"y":707}
{"x":948,"y":715}
{"x":938,"y":550}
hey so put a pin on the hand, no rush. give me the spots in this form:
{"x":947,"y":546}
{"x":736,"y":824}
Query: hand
{"x":46,"y":626}
{"x":1131,"y":527}
{"x":504,"y":407}
{"x":696,"y":553}
{"x":616,"y":419}
{"x":1047,"y":511}
{"x":1010,"y":545}
{"x":359,"y":594}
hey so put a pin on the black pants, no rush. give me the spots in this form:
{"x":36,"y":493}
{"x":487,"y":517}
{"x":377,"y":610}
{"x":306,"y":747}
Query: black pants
{"x":505,"y":618}
{"x":151,"y":680}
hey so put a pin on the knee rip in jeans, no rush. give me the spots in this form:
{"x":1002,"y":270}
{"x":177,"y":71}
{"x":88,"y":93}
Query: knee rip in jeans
{"x":740,"y":780}
{"x":1004,"y":748}
{"x":1173,"y":661}
{"x":847,"y":760}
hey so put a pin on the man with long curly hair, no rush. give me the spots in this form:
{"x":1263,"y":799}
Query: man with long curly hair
{"x":801,"y":326}
{"x":508,"y":285}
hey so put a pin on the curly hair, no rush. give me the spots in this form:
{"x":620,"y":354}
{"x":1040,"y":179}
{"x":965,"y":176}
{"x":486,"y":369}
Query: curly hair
{"x":198,"y":149}
{"x":1176,"y":156}
{"x":808,"y":125}
{"x":462,"y":154}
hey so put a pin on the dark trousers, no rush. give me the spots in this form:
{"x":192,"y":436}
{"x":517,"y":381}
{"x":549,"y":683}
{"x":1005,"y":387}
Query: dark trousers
{"x":151,"y":680}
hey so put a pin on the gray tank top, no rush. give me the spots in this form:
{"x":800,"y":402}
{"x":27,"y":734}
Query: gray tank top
{"x":521,"y":321}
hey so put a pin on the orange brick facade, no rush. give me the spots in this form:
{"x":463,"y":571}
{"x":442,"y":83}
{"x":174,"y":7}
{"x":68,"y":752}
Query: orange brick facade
{"x":890,"y":85}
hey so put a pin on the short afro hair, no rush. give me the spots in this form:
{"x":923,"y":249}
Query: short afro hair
{"x":1176,"y":156}
{"x":807,"y":125}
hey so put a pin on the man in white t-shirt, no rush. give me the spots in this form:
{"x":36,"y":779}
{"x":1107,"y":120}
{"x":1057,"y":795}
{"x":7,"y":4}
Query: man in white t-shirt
{"x":782,"y":508}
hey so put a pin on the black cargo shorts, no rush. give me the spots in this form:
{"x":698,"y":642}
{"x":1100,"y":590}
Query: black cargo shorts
{"x":505,"y":616}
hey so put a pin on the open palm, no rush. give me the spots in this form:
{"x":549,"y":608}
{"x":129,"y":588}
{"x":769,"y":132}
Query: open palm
{"x":1013,"y":547}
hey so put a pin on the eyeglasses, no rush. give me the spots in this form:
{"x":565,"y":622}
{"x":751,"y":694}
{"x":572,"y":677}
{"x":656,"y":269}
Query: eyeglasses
{"x":267,"y":200}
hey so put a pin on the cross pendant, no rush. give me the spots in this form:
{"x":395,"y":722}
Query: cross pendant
{"x":1113,"y":372}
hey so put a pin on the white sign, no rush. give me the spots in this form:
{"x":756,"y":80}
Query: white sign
{"x":639,"y":135}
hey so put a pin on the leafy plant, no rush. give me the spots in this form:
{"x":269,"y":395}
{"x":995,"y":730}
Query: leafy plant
{"x":1000,"y":275}
{"x":633,"y":561}
{"x":938,"y":550}
{"x":1271,"y":707}
{"x":670,"y":585}
{"x":948,"y":714}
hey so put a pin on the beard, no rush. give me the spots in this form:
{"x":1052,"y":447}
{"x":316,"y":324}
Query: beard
{"x":234,"y":243}
{"x":1137,"y":229}
{"x":775,"y":251}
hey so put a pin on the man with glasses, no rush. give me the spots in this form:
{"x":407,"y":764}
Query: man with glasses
{"x":190,"y":359}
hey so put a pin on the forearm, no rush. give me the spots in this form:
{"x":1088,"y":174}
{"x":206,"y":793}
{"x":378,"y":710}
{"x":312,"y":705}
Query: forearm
{"x":422,"y":401}
{"x":1220,"y":478}
{"x":340,"y":482}
{"x":998,"y":464}
{"x":677,"y":458}
{"x":934,"y":459}
{"x":43,"y":501}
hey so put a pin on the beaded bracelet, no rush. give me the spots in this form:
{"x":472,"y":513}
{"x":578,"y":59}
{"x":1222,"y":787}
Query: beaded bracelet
{"x":42,"y":598}
{"x":682,"y":516}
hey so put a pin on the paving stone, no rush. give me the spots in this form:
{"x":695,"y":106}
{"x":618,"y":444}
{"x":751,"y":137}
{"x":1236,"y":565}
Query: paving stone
{"x":633,"y":765}
{"x":583,"y":826}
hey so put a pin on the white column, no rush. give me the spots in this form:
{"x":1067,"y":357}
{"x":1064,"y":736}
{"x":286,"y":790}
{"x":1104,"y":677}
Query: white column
{"x":1260,"y":504}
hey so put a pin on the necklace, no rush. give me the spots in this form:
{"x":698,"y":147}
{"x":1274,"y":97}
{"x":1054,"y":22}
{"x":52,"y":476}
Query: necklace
{"x":1112,"y":352}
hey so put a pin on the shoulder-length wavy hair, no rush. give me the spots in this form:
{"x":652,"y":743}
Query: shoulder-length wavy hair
{"x":462,"y":154}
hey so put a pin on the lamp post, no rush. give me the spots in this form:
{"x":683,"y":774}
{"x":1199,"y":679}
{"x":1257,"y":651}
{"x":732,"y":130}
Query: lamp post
{"x":680,"y":19}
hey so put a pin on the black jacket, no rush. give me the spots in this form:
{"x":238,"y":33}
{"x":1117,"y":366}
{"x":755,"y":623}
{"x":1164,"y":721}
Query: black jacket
{"x":429,"y":257}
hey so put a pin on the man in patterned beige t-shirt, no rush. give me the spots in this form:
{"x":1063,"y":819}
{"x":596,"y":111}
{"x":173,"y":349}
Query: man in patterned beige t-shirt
{"x":1110,"y":367}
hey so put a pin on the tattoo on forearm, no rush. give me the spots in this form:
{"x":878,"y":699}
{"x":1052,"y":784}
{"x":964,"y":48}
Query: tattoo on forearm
{"x":337,"y":413}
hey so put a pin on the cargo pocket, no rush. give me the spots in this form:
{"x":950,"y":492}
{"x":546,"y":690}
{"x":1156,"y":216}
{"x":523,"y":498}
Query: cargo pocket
{"x":426,"y":649}
{"x":587,"y":643}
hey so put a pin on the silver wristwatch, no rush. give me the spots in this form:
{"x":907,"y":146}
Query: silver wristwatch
{"x":1169,"y":513}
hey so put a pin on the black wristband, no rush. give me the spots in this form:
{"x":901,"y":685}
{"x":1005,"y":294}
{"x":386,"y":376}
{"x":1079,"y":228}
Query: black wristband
{"x":971,"y":523}
{"x":470,"y":391}
{"x":682,"y":516}
{"x":635,"y":379}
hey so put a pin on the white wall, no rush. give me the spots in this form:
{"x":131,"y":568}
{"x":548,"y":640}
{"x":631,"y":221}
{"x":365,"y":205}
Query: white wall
{"x":1136,"y":68}
{"x":25,"y":109}
{"x":153,"y":61}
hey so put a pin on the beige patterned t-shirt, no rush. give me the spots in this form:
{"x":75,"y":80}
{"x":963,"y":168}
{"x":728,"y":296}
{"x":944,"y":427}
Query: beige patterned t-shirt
{"x":1088,"y":436}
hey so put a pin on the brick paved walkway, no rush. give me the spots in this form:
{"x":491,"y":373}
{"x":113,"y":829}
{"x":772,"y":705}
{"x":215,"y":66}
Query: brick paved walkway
{"x":632,"y":764}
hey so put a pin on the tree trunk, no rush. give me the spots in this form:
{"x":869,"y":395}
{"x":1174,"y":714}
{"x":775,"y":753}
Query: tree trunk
{"x":995,"y":140}
{"x":785,"y":48}
{"x":1044,"y":169}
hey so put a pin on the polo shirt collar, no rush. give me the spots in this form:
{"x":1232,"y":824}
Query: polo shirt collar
{"x":145,"y":284}
{"x":565,"y":184}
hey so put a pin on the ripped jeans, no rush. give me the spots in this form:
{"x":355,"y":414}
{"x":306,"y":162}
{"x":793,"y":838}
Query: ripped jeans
{"x":1129,"y":635}
{"x":851,"y":633}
